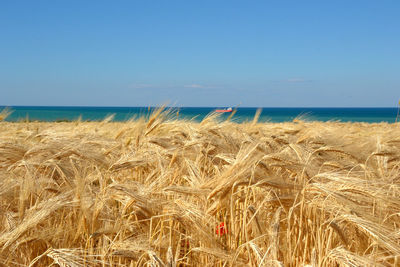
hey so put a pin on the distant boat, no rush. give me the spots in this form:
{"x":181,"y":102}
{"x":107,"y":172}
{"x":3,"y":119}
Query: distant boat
{"x":224,"y":110}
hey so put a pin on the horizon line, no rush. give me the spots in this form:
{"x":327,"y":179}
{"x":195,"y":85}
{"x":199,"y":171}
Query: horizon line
{"x":160,"y":106}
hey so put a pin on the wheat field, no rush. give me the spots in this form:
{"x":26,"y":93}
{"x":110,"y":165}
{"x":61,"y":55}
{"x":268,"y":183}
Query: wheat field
{"x":166,"y":192}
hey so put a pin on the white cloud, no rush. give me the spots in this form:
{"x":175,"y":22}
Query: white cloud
{"x":195,"y":86}
{"x":297,"y":80}
{"x":165,"y":86}
{"x":200,"y":86}
{"x":141,"y":85}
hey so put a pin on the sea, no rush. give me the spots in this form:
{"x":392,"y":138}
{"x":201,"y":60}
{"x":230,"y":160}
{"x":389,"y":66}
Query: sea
{"x":242,"y":114}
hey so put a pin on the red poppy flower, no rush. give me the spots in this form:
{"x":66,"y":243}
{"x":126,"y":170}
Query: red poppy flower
{"x":221,"y":229}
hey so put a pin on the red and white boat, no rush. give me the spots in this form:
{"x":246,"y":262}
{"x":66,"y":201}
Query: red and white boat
{"x":224,"y":110}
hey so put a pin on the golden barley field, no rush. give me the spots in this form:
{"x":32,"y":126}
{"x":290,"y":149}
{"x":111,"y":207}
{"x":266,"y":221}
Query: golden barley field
{"x":165,"y":192}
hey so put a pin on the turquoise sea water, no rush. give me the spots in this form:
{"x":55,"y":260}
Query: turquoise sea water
{"x":198,"y":113}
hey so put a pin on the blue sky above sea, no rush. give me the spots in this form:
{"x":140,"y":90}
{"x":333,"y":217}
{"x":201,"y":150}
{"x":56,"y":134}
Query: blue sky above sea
{"x":200,"y":53}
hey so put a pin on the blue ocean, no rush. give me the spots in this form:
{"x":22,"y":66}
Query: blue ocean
{"x":243,"y":114}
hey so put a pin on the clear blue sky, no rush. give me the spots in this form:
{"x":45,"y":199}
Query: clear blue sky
{"x":200,"y":53}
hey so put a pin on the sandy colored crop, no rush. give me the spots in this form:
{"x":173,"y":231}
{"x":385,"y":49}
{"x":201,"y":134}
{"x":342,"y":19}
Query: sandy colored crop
{"x":4,"y":113}
{"x":162,"y":192}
